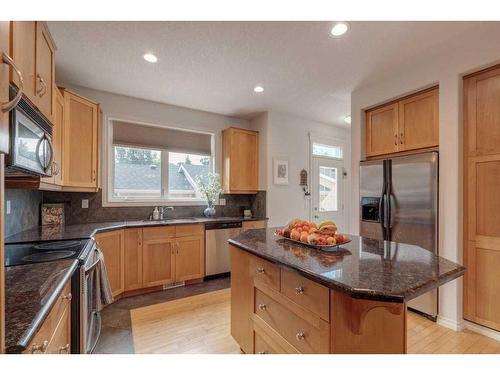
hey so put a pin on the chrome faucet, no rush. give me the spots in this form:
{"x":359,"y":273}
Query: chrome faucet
{"x":163,"y":209}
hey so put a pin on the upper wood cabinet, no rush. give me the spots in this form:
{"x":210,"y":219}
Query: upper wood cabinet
{"x":409,"y":124}
{"x":240,"y":161}
{"x":481,"y":199}
{"x":4,"y":87}
{"x":112,"y":246}
{"x":33,"y":49}
{"x":80,"y":141}
{"x":382,"y":130}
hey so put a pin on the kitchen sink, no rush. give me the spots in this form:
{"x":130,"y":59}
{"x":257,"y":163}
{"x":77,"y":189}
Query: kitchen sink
{"x":170,"y":220}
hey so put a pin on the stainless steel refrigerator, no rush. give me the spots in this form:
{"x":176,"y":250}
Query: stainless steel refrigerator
{"x":399,"y":202}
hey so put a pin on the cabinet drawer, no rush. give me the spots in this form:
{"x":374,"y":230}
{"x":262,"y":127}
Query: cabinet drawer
{"x":265,"y":272}
{"x":189,"y":230}
{"x":158,"y":233}
{"x":264,"y":345}
{"x":306,"y":293}
{"x":61,"y":339}
{"x":299,"y":333}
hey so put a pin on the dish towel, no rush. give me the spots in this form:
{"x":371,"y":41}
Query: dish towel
{"x":104,"y":296}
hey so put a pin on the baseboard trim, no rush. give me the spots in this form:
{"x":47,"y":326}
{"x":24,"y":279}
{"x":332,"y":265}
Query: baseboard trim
{"x":450,"y":323}
{"x":488,"y":332}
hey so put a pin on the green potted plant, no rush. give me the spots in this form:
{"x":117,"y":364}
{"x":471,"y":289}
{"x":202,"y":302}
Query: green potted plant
{"x":211,"y":189}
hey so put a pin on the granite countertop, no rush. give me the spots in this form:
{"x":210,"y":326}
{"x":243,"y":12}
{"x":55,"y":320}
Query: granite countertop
{"x":363,"y":268}
{"x":30,"y":292}
{"x":83,"y":231}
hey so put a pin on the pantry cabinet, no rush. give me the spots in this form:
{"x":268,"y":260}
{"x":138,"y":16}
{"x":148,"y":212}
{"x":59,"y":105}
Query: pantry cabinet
{"x":112,"y":246}
{"x":408,"y":124}
{"x":33,"y":49}
{"x":80,"y":142}
{"x":240,"y":161}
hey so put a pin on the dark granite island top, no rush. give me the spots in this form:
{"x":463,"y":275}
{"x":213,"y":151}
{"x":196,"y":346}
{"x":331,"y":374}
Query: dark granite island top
{"x":364,"y":268}
{"x":30,"y":293}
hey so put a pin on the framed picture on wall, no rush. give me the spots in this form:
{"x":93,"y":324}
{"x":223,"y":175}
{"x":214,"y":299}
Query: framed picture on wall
{"x":280,"y":171}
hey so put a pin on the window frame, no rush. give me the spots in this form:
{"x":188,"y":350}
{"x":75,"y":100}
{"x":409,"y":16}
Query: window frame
{"x":108,"y":200}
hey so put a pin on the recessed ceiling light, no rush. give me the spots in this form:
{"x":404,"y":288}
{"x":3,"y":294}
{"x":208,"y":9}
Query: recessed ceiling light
{"x":258,"y":89}
{"x":149,"y":57}
{"x":347,"y":119}
{"x":339,"y":29}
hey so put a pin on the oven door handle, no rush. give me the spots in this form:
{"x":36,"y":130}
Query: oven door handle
{"x":92,"y":267}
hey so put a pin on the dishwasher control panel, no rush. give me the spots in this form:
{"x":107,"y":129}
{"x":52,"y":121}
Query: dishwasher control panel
{"x":210,"y":226}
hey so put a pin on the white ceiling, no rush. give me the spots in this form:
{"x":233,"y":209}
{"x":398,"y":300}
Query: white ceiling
{"x":213,"y":66}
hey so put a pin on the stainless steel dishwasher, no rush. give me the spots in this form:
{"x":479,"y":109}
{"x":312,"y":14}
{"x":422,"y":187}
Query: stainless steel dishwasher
{"x":217,"y":249}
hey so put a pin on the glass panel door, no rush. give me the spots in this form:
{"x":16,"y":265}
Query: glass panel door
{"x":327,"y":194}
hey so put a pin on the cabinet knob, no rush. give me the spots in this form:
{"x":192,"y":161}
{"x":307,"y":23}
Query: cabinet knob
{"x":300,"y":336}
{"x":64,"y":349}
{"x":262,"y":306}
{"x":69,"y":297}
{"x":40,"y":348}
{"x":299,"y":290}
{"x":262,"y":352}
{"x":260,"y":270}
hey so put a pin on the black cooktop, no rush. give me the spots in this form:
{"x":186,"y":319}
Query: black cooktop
{"x":38,"y":252}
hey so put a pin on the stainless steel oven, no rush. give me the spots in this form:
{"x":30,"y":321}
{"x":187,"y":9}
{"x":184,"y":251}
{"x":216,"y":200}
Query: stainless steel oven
{"x":89,"y":327}
{"x":31,"y":150}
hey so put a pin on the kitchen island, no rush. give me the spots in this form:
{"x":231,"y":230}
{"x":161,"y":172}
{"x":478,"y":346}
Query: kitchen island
{"x":290,"y":298}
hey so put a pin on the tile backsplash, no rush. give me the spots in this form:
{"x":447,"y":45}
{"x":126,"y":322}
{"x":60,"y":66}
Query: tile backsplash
{"x":24,"y":210}
{"x":75,"y":214}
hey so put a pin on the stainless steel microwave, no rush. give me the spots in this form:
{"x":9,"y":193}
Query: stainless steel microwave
{"x":31,"y":150}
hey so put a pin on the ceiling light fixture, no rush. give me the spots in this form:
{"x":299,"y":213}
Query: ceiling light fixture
{"x":149,"y":57}
{"x":347,"y":119}
{"x":339,"y":29}
{"x":258,"y":89}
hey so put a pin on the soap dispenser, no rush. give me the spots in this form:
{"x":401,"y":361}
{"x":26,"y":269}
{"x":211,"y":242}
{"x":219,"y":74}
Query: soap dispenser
{"x":156,"y":214}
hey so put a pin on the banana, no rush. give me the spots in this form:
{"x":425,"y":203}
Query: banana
{"x":327,"y":223}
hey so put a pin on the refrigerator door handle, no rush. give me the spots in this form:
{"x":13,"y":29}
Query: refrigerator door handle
{"x":392,"y":205}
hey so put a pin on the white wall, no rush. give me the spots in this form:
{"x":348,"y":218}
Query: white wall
{"x":475,"y":50}
{"x":286,"y":137}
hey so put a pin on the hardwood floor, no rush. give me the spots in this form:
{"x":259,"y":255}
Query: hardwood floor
{"x":200,"y":324}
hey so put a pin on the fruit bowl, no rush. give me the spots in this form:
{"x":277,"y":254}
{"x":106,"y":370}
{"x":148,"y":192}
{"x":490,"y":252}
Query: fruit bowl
{"x":318,"y":247}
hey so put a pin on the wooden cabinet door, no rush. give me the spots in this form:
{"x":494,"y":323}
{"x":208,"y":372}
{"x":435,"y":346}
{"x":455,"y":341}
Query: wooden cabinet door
{"x":189,"y":258}
{"x":80,"y":141}
{"x":158,"y":261}
{"x":481,"y":198}
{"x":57,"y":140}
{"x":133,"y":259}
{"x":240,"y":160}
{"x":44,"y":88}
{"x":111,"y":244}
{"x":61,"y":339}
{"x":382,"y":130}
{"x":4,"y":87}
{"x":419,"y":121}
{"x":23,"y":52}
{"x":257,"y":224}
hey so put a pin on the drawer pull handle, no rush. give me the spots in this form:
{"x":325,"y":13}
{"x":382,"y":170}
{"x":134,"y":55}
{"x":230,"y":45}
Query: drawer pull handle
{"x":262,"y":352}
{"x":299,"y":290}
{"x":300,"y":336}
{"x":40,"y":348}
{"x":69,"y":297}
{"x":260,"y":270}
{"x":64,"y":349}
{"x":262,"y":306}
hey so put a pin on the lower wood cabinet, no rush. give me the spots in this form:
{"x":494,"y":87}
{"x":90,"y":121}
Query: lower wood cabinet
{"x":112,"y":246}
{"x":257,"y":224}
{"x":54,"y":336}
{"x":138,"y":258}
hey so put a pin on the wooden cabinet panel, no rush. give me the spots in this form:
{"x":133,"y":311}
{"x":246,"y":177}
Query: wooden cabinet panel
{"x":23,"y":52}
{"x":57,"y":140}
{"x":61,"y":339}
{"x":44,"y":88}
{"x":111,"y":245}
{"x":80,"y":141}
{"x":481,"y":199}
{"x":189,"y":230}
{"x":240,"y":154}
{"x":382,"y":130}
{"x":158,"y":259}
{"x":419,"y":121}
{"x":132,"y":253}
{"x":190,"y":258}
{"x":258,"y":224}
{"x":4,"y":86}
{"x":155,"y":233}
{"x":265,"y":272}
